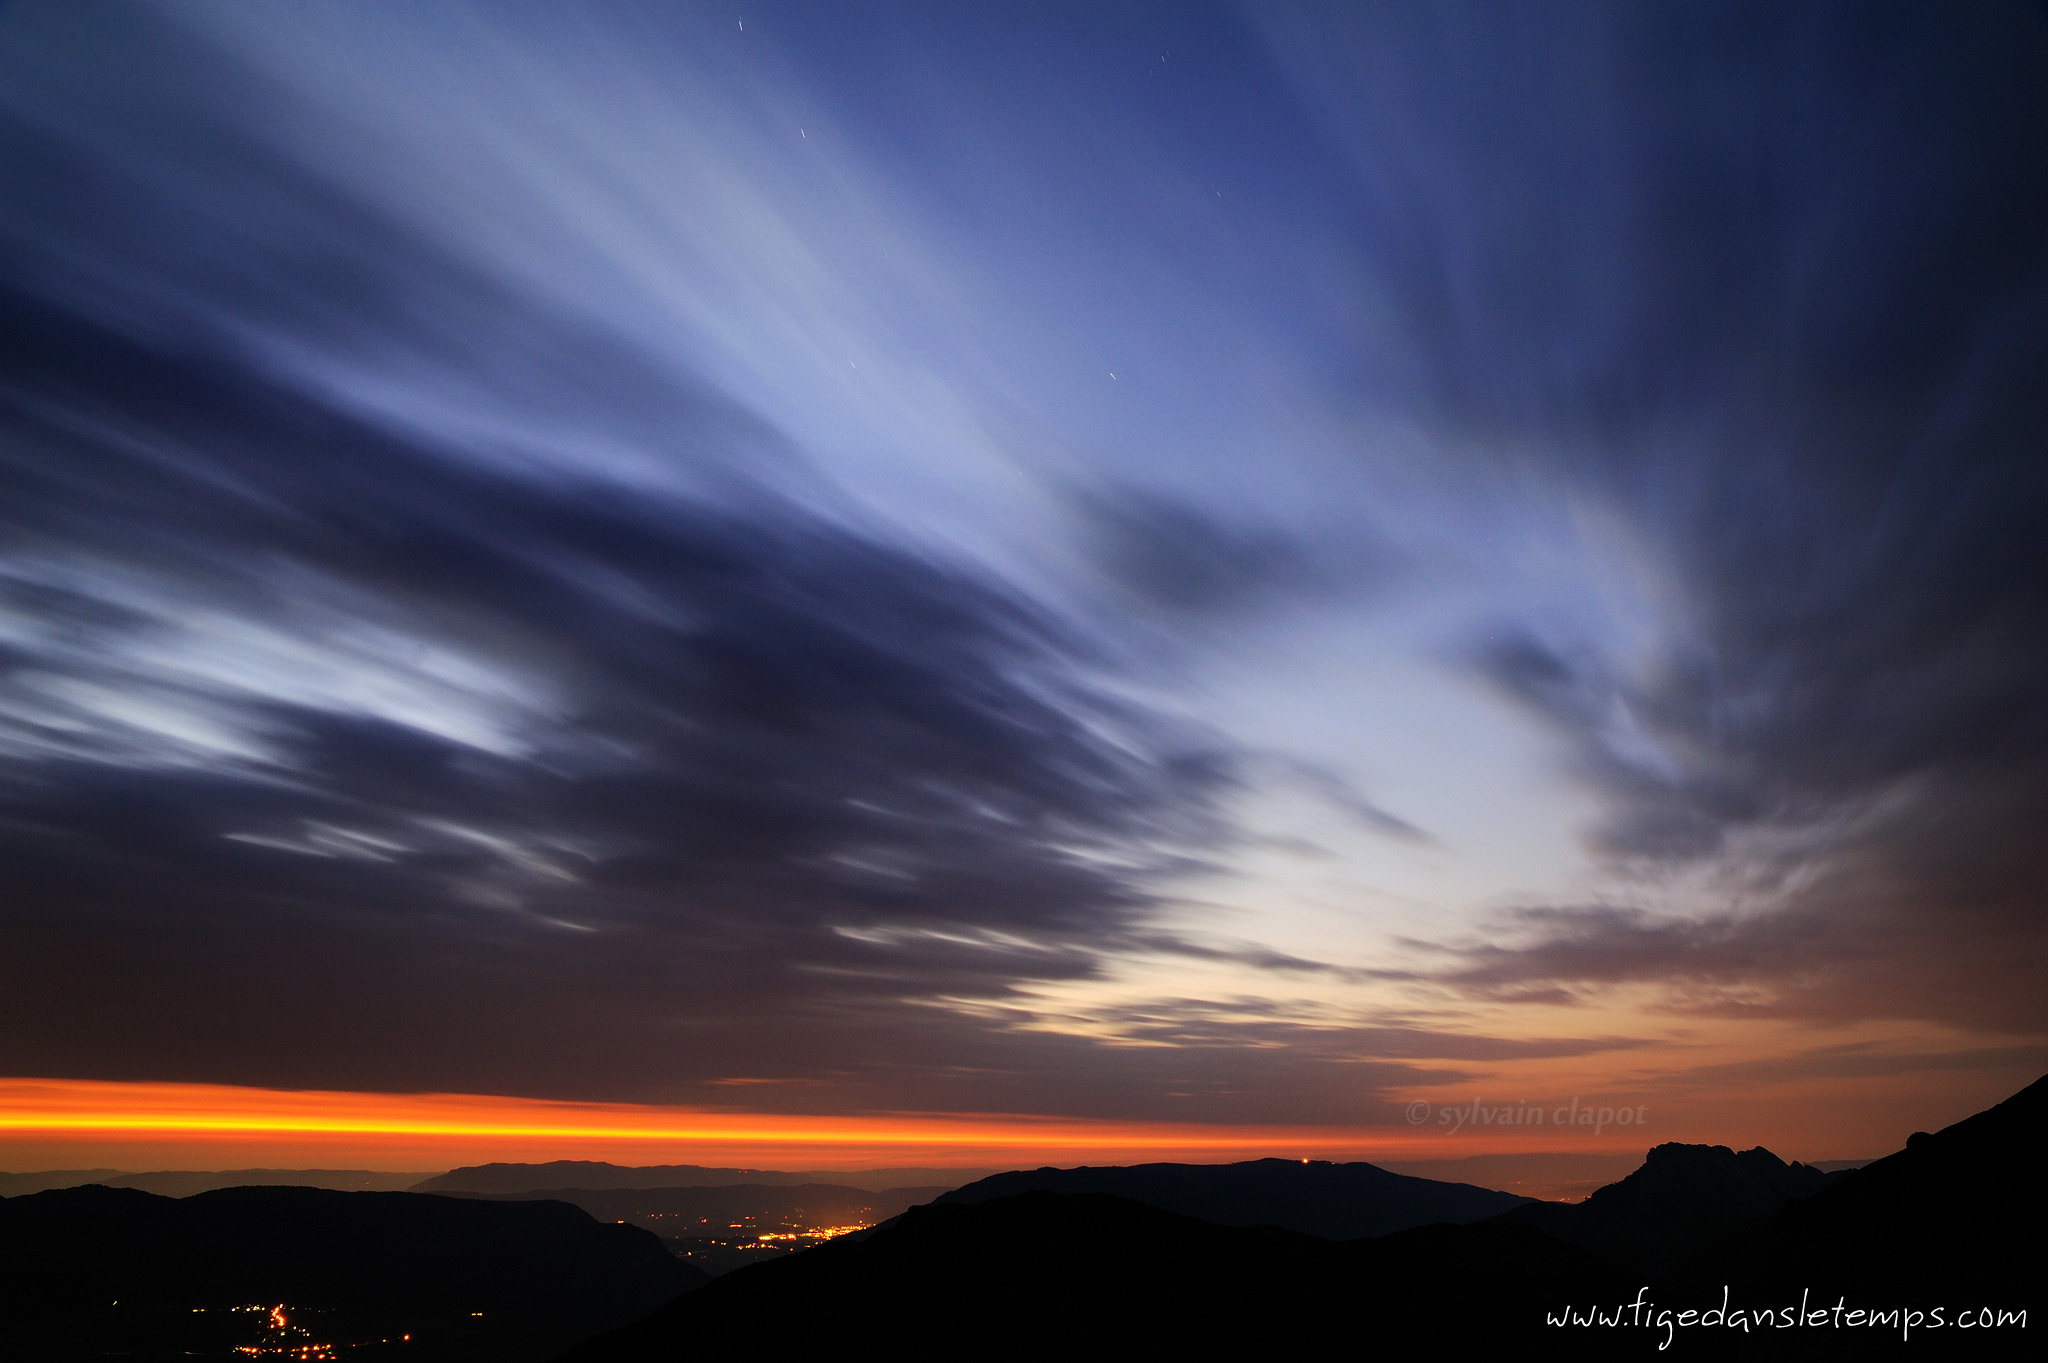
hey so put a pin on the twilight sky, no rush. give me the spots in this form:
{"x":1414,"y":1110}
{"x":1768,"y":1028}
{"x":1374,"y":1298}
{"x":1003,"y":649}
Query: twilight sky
{"x":1175,"y":564}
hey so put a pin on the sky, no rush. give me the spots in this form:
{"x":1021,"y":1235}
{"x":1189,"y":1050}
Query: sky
{"x":1217,"y":578}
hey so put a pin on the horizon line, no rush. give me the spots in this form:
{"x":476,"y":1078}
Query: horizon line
{"x":94,"y":1113}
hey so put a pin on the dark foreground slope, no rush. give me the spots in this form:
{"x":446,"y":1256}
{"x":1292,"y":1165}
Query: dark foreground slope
{"x":1315,"y":1197}
{"x":1903,"y":1259}
{"x":91,"y":1271}
{"x":1961,"y":1212}
{"x":1091,"y":1276}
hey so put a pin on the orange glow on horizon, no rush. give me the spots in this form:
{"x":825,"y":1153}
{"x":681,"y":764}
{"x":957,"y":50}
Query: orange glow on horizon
{"x":106,"y":1118}
{"x":78,"y":1124}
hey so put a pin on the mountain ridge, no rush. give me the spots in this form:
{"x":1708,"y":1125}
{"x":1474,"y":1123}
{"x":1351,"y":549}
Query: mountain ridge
{"x":1315,"y":1197}
{"x":1682,"y":1200}
{"x":597,"y":1175}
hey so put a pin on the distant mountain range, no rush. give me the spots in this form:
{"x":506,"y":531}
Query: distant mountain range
{"x":1316,"y":1197}
{"x":593,"y":1174}
{"x":185,"y":1182}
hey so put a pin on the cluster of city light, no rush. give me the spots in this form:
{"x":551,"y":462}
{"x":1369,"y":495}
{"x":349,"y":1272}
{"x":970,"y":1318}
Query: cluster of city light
{"x":309,"y":1349}
{"x":278,"y":1321}
{"x":814,"y":1234}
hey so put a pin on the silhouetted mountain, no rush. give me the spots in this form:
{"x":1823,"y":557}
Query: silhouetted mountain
{"x":1683,"y":1201}
{"x":595,"y":1174}
{"x":17,"y":1185}
{"x":85,"y":1271}
{"x":1315,"y":1197}
{"x":522,"y":1179}
{"x":1089,"y":1275}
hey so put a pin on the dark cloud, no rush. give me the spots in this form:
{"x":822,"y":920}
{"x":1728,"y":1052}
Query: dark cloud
{"x":424,"y":749}
{"x":1183,"y":560}
{"x":1858,"y":940}
{"x":1597,"y":945}
{"x":1251,"y":954}
{"x":335,"y":755}
{"x":1340,"y":794}
{"x":1245,"y":1060}
{"x":1854,"y":1060}
{"x":186,"y":197}
{"x":1225,"y":1023}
